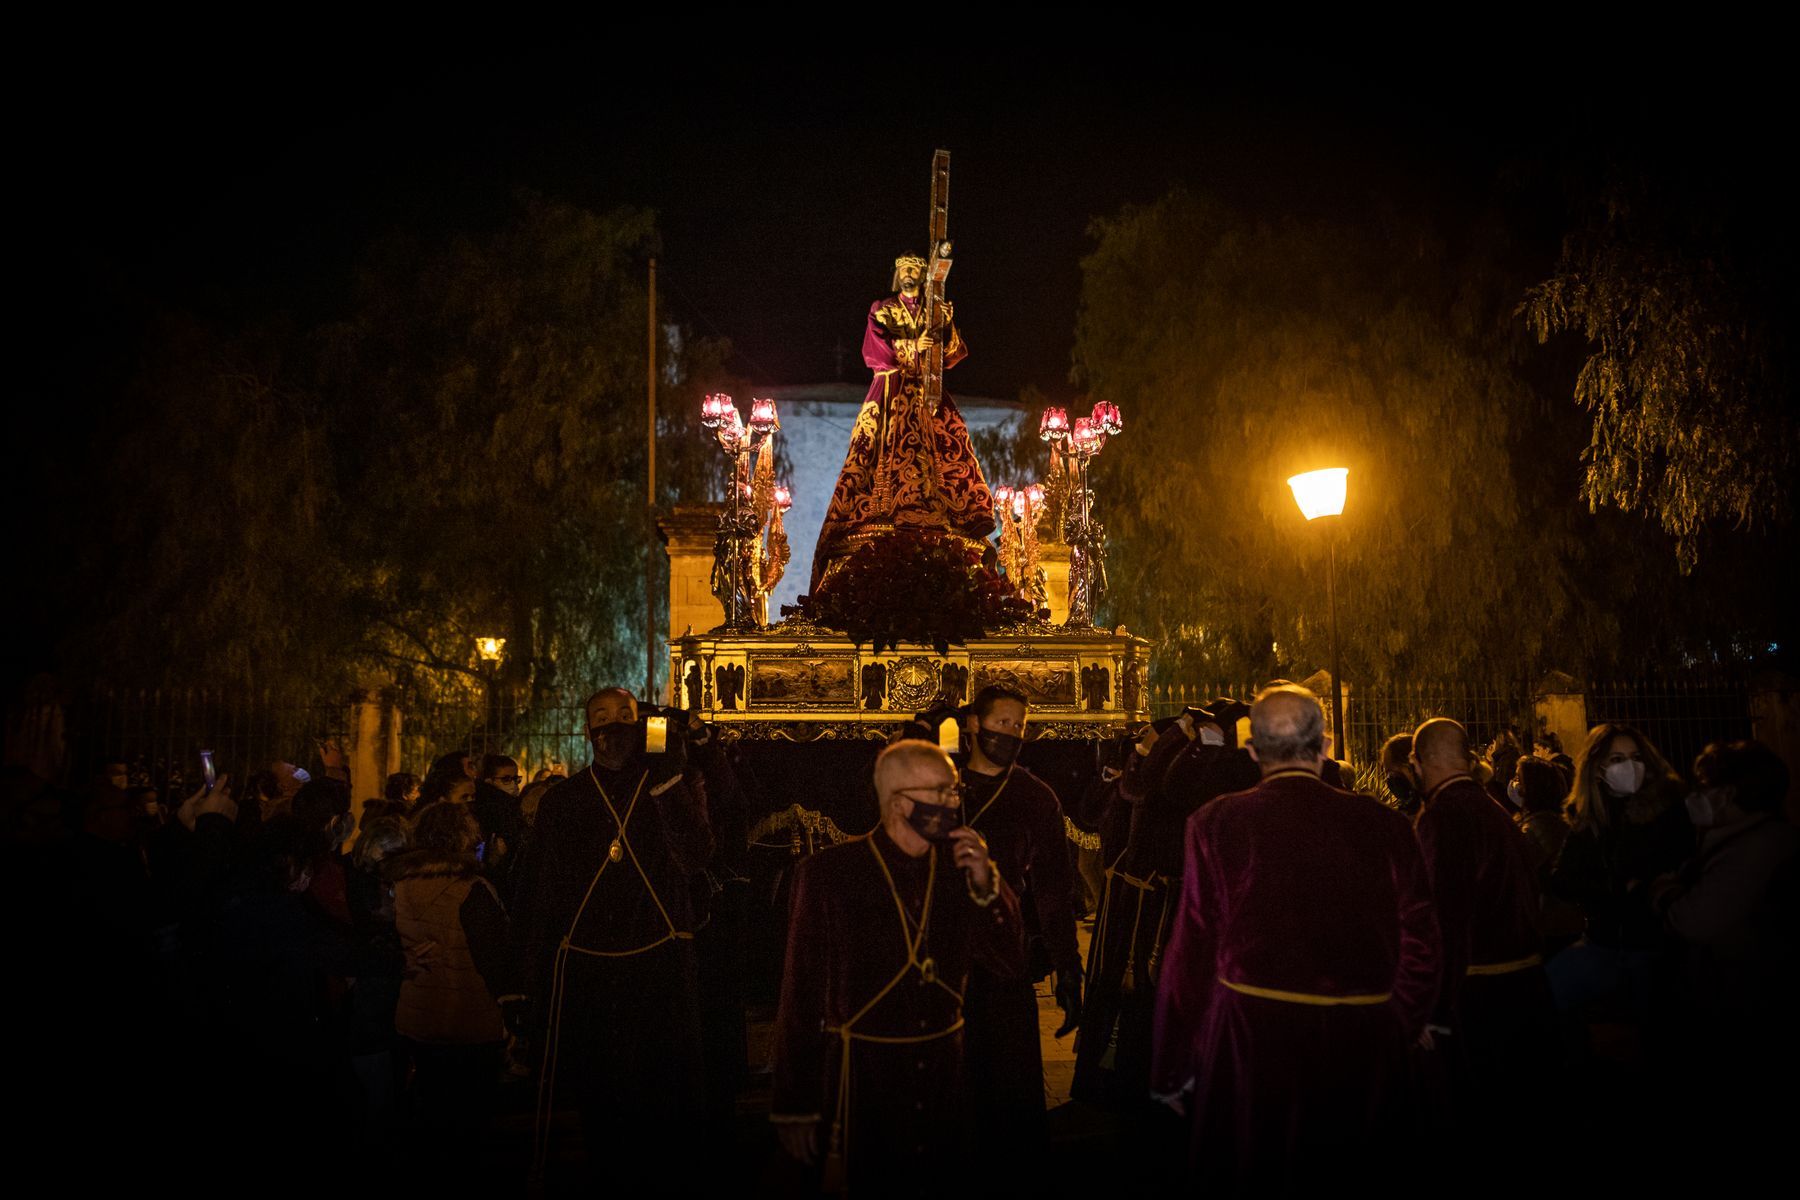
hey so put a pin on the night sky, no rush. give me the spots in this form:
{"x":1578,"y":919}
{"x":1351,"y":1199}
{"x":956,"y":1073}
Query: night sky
{"x":783,"y":191}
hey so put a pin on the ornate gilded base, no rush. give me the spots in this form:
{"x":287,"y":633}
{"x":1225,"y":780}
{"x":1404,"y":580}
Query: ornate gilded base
{"x":798,"y":682}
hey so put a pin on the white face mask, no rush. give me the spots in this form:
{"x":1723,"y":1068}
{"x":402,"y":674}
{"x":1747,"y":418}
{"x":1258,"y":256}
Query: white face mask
{"x":1700,"y":810}
{"x":1515,"y":795}
{"x":1624,"y":778}
{"x":1211,"y":736}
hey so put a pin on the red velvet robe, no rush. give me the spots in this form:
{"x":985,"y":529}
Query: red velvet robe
{"x":906,"y":468}
{"x":1022,"y":821}
{"x":1503,"y":1023}
{"x":1299,"y":887}
{"x":905,"y":1119}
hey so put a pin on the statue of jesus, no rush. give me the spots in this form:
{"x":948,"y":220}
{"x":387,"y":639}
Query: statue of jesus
{"x":910,"y":465}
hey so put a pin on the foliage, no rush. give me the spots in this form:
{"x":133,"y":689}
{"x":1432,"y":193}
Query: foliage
{"x":1245,"y":351}
{"x":1686,"y":371}
{"x":460,"y":452}
{"x":915,"y":586}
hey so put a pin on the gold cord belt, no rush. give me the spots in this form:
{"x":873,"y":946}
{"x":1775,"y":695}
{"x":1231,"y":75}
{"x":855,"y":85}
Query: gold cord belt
{"x":1506,"y":968}
{"x":1313,"y":998}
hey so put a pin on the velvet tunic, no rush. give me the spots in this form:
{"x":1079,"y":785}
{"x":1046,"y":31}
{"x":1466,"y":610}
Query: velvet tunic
{"x":904,"y":1118}
{"x":1317,"y":899}
{"x":620,"y":1028}
{"x":1022,"y":821}
{"x":1493,"y":993}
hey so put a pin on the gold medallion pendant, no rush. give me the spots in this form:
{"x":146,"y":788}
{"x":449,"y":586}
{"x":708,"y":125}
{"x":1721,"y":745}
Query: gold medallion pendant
{"x":928,"y":970}
{"x":615,"y":851}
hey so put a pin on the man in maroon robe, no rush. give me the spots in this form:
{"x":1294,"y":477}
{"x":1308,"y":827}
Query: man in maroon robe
{"x":604,"y":911}
{"x":884,"y":931}
{"x":1493,"y":995}
{"x":1301,"y":970}
{"x":910,"y":464}
{"x":1022,"y":820}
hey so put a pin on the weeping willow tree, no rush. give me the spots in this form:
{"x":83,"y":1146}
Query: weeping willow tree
{"x":459,"y":453}
{"x":1679,"y":298}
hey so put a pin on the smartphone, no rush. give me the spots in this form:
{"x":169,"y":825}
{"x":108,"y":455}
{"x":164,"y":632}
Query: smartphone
{"x":207,"y":771}
{"x":656,"y":735}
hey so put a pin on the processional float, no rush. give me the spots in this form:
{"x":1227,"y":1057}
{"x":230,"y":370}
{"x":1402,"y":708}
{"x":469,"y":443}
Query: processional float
{"x":912,"y":605}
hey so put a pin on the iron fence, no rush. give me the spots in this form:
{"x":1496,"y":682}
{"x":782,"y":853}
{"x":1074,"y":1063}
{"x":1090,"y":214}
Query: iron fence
{"x":1679,"y":714}
{"x":539,"y":729}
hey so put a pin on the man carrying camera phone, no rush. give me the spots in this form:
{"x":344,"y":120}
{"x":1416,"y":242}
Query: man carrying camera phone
{"x":884,"y":931}
{"x":604,"y":906}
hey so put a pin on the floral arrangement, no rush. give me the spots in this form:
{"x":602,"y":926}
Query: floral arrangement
{"x":915,"y":586}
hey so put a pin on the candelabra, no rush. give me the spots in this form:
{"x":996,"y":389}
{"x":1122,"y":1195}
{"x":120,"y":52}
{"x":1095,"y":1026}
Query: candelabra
{"x":750,"y":551}
{"x":1074,"y":446}
{"x":1019,"y":510}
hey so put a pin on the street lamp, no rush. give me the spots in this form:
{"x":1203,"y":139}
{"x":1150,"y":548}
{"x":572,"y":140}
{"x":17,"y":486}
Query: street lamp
{"x":490,"y":648}
{"x":1321,"y":494}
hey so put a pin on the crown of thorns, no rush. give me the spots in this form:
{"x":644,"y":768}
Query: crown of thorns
{"x":909,"y":259}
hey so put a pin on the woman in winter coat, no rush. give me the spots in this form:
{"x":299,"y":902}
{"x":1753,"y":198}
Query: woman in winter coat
{"x":453,"y":932}
{"x":1628,"y":827}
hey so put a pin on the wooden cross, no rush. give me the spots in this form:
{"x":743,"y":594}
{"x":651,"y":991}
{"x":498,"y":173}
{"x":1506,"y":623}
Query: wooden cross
{"x":937,"y":269}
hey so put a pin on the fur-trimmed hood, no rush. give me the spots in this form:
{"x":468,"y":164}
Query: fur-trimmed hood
{"x":430,"y":864}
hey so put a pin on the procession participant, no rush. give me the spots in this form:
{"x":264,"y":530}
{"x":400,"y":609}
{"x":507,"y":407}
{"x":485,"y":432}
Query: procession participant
{"x":1301,"y":969}
{"x":885,"y":929}
{"x":604,"y":905}
{"x":1022,"y":820}
{"x":1493,"y":995}
{"x":1194,"y":760}
{"x":496,"y":808}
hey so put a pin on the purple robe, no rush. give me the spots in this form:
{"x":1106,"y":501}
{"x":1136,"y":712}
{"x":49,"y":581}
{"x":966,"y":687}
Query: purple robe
{"x":906,"y":468}
{"x":1297,"y":888}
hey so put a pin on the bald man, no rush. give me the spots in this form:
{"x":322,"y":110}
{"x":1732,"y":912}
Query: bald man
{"x":1300,"y":972}
{"x":883,"y":932}
{"x":1493,"y":996}
{"x":606,"y":921}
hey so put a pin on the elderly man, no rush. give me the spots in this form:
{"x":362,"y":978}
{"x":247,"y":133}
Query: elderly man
{"x":603,"y":904}
{"x":1301,"y":969}
{"x":884,"y":931}
{"x":1493,"y":996}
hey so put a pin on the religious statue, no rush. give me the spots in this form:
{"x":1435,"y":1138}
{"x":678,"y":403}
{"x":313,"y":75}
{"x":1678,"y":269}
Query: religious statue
{"x":910,"y":465}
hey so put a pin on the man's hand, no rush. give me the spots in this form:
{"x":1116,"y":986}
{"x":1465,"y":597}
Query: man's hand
{"x":1068,"y":998}
{"x":799,"y":1140}
{"x":970,"y":852}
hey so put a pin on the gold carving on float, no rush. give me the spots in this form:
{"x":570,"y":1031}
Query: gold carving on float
{"x":913,"y":683}
{"x":1040,"y":682}
{"x":780,"y":682}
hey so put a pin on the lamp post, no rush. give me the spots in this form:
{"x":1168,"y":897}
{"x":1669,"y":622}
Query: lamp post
{"x":738,"y":527}
{"x":1077,"y":444}
{"x":1321,"y":494}
{"x":489,"y":650}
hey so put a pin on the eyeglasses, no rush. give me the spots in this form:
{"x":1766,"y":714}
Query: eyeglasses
{"x":950,"y":794}
{"x":508,"y":778}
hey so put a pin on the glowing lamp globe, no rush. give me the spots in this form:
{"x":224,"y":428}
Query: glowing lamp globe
{"x":1034,"y":494}
{"x":762,"y":416}
{"x":1018,"y":503}
{"x":784,"y":497}
{"x":712,"y":409}
{"x":1003,"y":495}
{"x":490,"y":648}
{"x":1086,"y":438}
{"x":1054,"y":425}
{"x":1321,"y":493}
{"x":1108,"y":418}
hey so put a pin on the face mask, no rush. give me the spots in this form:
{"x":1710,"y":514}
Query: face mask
{"x":1211,"y":737}
{"x":933,"y":822}
{"x":1515,"y":795}
{"x":613,"y":744}
{"x":1001,"y":749}
{"x":1401,"y":787}
{"x":1700,"y":810}
{"x":1624,"y":778}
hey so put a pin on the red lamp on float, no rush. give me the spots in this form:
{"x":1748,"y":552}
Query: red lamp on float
{"x":1053,"y":427}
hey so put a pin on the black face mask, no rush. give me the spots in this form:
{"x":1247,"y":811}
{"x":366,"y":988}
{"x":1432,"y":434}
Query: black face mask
{"x":933,"y":822}
{"x":1401,"y":787}
{"x":613,"y":744}
{"x":1001,"y":749}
